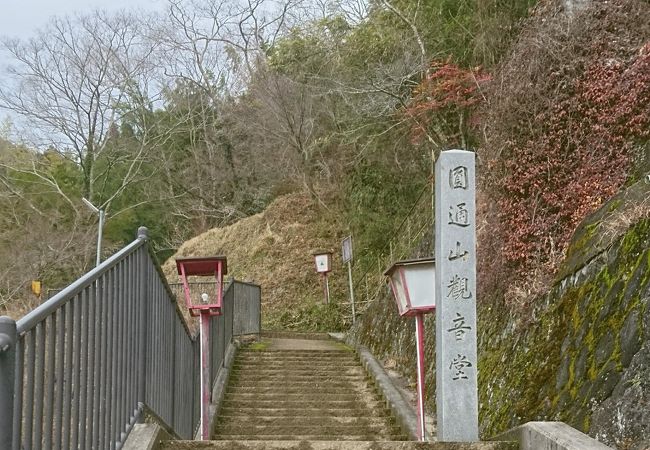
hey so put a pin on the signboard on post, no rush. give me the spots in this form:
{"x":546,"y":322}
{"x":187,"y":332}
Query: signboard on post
{"x":455,"y":253}
{"x":346,"y":249}
{"x":323,"y":261}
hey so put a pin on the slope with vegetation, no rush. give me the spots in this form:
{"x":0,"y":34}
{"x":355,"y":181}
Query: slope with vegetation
{"x":200,"y":116}
{"x":328,"y":117}
{"x":274,"y":249}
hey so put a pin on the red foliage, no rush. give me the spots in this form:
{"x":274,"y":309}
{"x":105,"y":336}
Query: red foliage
{"x":447,"y":95}
{"x":578,"y":156}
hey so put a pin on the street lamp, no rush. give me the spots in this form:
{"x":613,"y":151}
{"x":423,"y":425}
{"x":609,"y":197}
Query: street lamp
{"x":100,"y":227}
{"x":412,"y":283}
{"x":207,"y":266}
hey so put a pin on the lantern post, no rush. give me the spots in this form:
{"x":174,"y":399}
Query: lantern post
{"x":207,"y":266}
{"x":412,"y":284}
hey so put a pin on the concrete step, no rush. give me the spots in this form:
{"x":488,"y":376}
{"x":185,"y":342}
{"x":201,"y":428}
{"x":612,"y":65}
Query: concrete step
{"x":291,"y":353}
{"x":301,"y":387}
{"x":333,"y":445}
{"x":297,"y":354}
{"x":284,"y":364}
{"x":298,"y":358}
{"x":307,"y":437}
{"x":296,"y":427}
{"x":287,"y":364}
{"x":305,"y":412}
{"x":306,"y":354}
{"x":296,"y":335}
{"x":228,"y":419}
{"x":294,"y":353}
{"x":238,"y":372}
{"x":282,"y":398}
{"x":315,"y":388}
{"x":251,"y":402}
{"x":297,"y":379}
{"x":320,"y":389}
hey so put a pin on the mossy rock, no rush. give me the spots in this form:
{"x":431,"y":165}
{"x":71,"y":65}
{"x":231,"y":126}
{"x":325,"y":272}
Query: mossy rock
{"x":600,"y":230}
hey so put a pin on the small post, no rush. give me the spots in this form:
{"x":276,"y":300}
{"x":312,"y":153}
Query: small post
{"x":100,"y":212}
{"x":346,"y":256}
{"x":143,"y":234}
{"x":326,"y":288}
{"x":354,"y":314}
{"x":99,"y":236}
{"x":419,"y":346}
{"x":8,"y":337}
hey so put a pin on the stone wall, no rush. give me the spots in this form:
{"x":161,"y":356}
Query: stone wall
{"x":582,"y":355}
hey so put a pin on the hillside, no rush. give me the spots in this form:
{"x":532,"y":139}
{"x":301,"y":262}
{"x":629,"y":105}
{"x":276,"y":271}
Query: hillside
{"x":328,"y":125}
{"x":563,"y":144}
{"x":274,"y":249}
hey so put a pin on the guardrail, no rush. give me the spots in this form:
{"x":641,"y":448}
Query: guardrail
{"x":81,"y":369}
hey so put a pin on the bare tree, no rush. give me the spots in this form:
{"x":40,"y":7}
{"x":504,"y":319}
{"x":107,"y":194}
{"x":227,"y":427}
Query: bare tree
{"x":208,"y":51}
{"x":41,"y":238}
{"x":73,"y":81}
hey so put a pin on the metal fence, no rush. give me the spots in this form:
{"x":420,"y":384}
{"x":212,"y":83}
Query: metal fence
{"x":79,"y":371}
{"x":248,"y":317}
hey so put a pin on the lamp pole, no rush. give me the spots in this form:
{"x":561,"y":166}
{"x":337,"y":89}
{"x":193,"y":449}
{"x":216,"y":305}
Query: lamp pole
{"x":410,"y":282}
{"x":100,"y":226}
{"x":205,"y":369}
{"x":419,"y":345}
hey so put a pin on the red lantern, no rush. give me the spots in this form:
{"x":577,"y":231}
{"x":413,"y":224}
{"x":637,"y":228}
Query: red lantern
{"x":203,"y":267}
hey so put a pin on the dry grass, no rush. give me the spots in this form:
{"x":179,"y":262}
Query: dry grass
{"x":274,"y":249}
{"x":618,"y":221}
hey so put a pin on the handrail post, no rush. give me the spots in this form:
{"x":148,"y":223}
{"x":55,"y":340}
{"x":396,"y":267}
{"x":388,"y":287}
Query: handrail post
{"x":143,"y":272}
{"x":8,"y":338}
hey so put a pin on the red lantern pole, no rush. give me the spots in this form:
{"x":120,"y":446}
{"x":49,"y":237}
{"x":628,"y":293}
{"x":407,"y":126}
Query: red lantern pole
{"x":213,"y":266}
{"x":205,"y":375}
{"x":419,"y":346}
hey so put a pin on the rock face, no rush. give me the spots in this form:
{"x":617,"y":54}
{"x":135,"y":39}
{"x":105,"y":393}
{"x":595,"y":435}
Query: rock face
{"x":624,"y":415}
{"x":582,"y":355}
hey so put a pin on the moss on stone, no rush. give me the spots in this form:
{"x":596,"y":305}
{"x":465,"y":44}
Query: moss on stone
{"x":519,"y":360}
{"x":257,"y":346}
{"x":527,"y":389}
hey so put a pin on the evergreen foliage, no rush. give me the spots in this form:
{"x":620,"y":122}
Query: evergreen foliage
{"x":203,"y":115}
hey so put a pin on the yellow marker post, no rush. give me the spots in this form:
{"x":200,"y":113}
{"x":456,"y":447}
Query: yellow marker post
{"x":37,"y":287}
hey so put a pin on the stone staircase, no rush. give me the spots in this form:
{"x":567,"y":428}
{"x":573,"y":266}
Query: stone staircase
{"x":297,"y":393}
{"x":304,"y":394}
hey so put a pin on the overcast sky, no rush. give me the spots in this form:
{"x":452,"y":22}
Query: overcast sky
{"x":19,"y":18}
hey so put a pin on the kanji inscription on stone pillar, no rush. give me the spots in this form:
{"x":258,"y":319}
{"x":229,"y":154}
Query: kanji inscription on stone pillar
{"x":455,"y":254}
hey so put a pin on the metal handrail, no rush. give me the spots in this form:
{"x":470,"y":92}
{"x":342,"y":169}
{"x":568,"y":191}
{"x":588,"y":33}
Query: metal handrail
{"x":31,"y":319}
{"x":80,"y":370}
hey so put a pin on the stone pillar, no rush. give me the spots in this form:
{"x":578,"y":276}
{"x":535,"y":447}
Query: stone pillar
{"x":455,"y":254}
